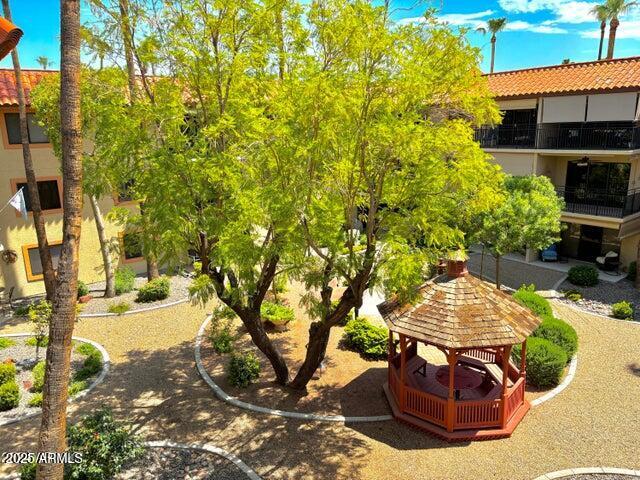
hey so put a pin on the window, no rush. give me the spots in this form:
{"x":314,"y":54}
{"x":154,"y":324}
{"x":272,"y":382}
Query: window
{"x":36,"y":132}
{"x":131,"y":246}
{"x":32,"y":262}
{"x":49,"y":191}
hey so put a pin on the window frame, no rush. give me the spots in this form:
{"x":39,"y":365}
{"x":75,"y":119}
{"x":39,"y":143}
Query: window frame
{"x":27,"y":261}
{"x":123,"y":258}
{"x":51,"y":211}
{"x":5,"y":133}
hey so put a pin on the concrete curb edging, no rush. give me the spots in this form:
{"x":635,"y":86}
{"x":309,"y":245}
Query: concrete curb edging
{"x":106,"y":364}
{"x":204,"y":447}
{"x":586,"y":470}
{"x":255,"y":408}
{"x":573,"y":365}
{"x":133,"y":312}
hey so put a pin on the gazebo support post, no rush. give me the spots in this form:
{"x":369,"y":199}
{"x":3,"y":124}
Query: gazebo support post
{"x":452,"y":359}
{"x":506,"y":352}
{"x":403,"y":359}
{"x":523,"y":360}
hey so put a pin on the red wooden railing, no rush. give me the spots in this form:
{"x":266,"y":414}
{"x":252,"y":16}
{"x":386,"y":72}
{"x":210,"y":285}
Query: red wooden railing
{"x":515,"y":398}
{"x":425,"y":405}
{"x":483,"y":413}
{"x":482,"y":354}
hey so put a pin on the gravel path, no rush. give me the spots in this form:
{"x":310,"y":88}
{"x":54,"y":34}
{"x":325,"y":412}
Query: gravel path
{"x":600,"y":298}
{"x":153,"y":384}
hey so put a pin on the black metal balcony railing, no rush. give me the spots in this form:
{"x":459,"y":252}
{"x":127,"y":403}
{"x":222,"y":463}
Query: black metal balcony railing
{"x":561,"y":136}
{"x":600,"y":202}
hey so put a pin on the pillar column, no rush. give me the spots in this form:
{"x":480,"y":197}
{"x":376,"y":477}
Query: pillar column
{"x":523,"y":360}
{"x":452,"y":359}
{"x":403,"y":359}
{"x":506,"y":352}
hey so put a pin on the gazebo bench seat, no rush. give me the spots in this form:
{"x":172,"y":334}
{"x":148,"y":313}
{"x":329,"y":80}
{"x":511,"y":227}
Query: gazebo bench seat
{"x":492,"y":368}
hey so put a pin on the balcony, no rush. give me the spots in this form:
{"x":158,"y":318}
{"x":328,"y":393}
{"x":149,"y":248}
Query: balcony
{"x":562,"y":136}
{"x":600,"y":202}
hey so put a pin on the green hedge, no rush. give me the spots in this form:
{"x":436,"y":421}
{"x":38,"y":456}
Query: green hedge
{"x":7,"y":372}
{"x":369,"y":340}
{"x":243,"y":369}
{"x":154,"y":290}
{"x":9,"y":395}
{"x":583,"y":275}
{"x":526,"y":297}
{"x":124,"y":280}
{"x":559,"y":333}
{"x":545,"y":362}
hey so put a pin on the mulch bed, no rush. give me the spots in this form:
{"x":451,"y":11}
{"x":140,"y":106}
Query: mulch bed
{"x":167,"y":463}
{"x":600,"y":298}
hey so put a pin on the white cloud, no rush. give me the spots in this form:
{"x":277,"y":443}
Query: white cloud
{"x":575,"y":12}
{"x":520,"y":25}
{"x":527,"y":6}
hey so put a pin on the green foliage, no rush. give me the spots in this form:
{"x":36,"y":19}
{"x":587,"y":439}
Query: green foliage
{"x":119,"y":308}
{"x":583,"y":275}
{"x":154,"y":290}
{"x":22,"y":310}
{"x":124,"y":280}
{"x":39,"y":316}
{"x":38,"y":376}
{"x":276,"y":313}
{"x":35,"y":400}
{"x":6,"y":343}
{"x":82,"y":289}
{"x":559,"y":333}
{"x":91,"y":366}
{"x":197,"y":267}
{"x":87,"y":349}
{"x":105,"y":444}
{"x":37,"y":342}
{"x":243,"y":369}
{"x":76,"y":387}
{"x":201,"y":290}
{"x":367,"y":339}
{"x":631,"y":272}
{"x":534,"y":302}
{"x":220,"y":334}
{"x":623,"y":310}
{"x":7,"y":372}
{"x":545,"y":362}
{"x":9,"y":395}
{"x":573,"y":295}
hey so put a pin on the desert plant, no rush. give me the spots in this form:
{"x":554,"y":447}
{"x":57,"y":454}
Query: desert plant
{"x":124,"y":279}
{"x":92,"y":365}
{"x":39,"y":316}
{"x":38,"y":376}
{"x":87,"y":349}
{"x":6,"y":343}
{"x":527,"y":297}
{"x":154,"y":290}
{"x":76,"y":387}
{"x":9,"y":395}
{"x":243,"y":369}
{"x":559,"y":333}
{"x":276,"y":313}
{"x":573,"y":295}
{"x":7,"y":372}
{"x":119,"y":308}
{"x":82,"y":289}
{"x":622,"y":310}
{"x":583,"y":275}
{"x":545,"y":362}
{"x":35,"y":400}
{"x":367,"y":339}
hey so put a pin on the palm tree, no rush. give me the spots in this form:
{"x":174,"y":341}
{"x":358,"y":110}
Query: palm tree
{"x":54,"y":402}
{"x":614,"y":10}
{"x":601,"y":13}
{"x":494,"y":25}
{"x":44,"y":62}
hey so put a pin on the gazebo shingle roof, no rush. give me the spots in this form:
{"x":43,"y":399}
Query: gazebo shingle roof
{"x":461,"y":312}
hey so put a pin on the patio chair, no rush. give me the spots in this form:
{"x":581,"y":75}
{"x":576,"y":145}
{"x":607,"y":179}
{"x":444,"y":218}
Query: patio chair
{"x":6,"y":299}
{"x":609,"y":262}
{"x":550,"y":254}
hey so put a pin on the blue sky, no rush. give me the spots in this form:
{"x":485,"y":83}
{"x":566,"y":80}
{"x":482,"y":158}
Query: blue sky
{"x":539,"y":32}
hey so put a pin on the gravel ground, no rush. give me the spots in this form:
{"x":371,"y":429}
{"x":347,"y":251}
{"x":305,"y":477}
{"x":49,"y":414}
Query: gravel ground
{"x":177,"y":464}
{"x":154,"y":385}
{"x":600,"y":298}
{"x":24,"y":356}
{"x":514,"y":274}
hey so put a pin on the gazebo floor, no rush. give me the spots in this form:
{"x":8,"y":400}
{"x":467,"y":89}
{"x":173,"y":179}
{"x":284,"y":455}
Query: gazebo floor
{"x":457,"y":435}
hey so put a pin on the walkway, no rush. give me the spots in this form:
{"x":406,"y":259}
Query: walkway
{"x":153,"y":382}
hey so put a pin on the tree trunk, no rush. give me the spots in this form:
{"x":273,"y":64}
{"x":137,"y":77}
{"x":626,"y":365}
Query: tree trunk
{"x":498,"y":272}
{"x":613,"y":26}
{"x":125,"y":29}
{"x":109,"y":276}
{"x":34,"y":197}
{"x":636,"y":282}
{"x":252,"y":322}
{"x":53,"y":424}
{"x":493,"y":51}
{"x":152,"y":267}
{"x":603,"y":26}
{"x":318,"y":339}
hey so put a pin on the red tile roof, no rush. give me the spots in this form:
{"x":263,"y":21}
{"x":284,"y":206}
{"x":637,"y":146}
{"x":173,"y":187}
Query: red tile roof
{"x":599,"y":76}
{"x":9,"y":36}
{"x":30,"y":78}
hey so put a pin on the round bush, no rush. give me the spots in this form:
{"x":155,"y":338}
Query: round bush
{"x":9,"y":395}
{"x":623,"y":310}
{"x":534,"y":302}
{"x":124,"y":280}
{"x":545,"y":362}
{"x":7,"y":372}
{"x":276,"y":314}
{"x":38,"y":376}
{"x":154,"y":290}
{"x":82,"y":289}
{"x":583,"y":275}
{"x":559,"y":333}
{"x":367,"y":339}
{"x":243,"y":369}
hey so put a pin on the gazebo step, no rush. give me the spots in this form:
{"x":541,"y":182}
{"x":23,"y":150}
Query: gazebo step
{"x":456,"y":435}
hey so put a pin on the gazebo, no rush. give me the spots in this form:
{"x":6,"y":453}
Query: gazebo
{"x":478,"y":393}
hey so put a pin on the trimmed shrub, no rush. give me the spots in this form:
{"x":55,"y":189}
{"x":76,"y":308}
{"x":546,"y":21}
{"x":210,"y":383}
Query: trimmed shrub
{"x":88,"y":350}
{"x":583,"y":275}
{"x":545,"y":362}
{"x":559,"y":333}
{"x":154,"y":290}
{"x":119,"y":308}
{"x":631,"y":272}
{"x":365,"y":338}
{"x":92,"y":365}
{"x":38,"y":376}
{"x":33,"y":341}
{"x":35,"y":400}
{"x":220,"y":334}
{"x":22,"y":310}
{"x":124,"y":280}
{"x":276,"y":314}
{"x":6,"y":343}
{"x":243,"y":369}
{"x":573,"y":295}
{"x":82,"y":289}
{"x":9,"y":396}
{"x":7,"y":372}
{"x":76,"y":387}
{"x":526,"y":297}
{"x":623,"y":310}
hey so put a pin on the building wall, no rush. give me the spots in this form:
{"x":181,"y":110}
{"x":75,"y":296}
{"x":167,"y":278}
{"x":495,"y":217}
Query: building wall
{"x":15,"y":232}
{"x":629,"y":249}
{"x":515,"y":163}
